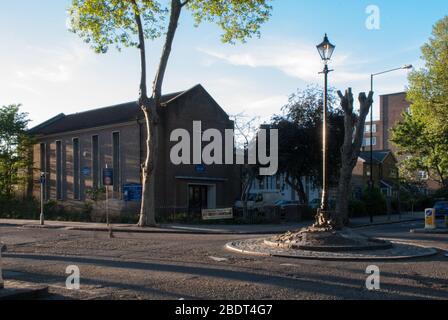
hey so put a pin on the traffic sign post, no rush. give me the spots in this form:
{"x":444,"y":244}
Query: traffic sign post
{"x":2,"y":285}
{"x":42,"y":187}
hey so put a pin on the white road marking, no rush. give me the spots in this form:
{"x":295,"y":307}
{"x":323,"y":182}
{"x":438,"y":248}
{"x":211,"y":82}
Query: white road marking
{"x":218,"y":259}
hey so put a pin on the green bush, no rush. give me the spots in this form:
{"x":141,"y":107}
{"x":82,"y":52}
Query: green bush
{"x":356,"y":208}
{"x":374,"y":202}
{"x":19,"y":208}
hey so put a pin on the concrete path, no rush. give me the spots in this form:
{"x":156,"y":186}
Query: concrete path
{"x":205,"y":228}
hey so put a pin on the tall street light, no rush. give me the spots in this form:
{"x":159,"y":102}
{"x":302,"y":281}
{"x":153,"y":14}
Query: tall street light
{"x":371,"y":182}
{"x":326,"y":50}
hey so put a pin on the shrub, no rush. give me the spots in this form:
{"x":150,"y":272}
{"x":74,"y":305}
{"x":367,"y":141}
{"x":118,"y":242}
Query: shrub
{"x":356,"y":208}
{"x":374,"y":201}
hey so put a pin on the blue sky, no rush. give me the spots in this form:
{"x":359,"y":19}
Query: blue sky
{"x":50,"y":70}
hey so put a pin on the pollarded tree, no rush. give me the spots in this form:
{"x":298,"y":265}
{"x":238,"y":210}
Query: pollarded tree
{"x":130,"y":23}
{"x":354,"y":125}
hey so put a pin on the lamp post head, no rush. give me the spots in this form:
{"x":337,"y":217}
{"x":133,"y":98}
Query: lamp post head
{"x":326,"y":49}
{"x":408,"y":66}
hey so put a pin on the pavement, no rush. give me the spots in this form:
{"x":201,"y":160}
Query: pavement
{"x":206,"y":228}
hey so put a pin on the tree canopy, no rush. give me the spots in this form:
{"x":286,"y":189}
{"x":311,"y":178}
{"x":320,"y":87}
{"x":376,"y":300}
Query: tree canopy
{"x":105,"y":23}
{"x":423,"y":134}
{"x":300,"y":138}
{"x":14,"y":149}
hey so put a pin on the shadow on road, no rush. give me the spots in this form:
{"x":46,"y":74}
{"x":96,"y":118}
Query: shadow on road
{"x":327,"y":285}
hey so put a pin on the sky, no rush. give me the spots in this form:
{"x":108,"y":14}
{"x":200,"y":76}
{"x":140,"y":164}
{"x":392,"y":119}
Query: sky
{"x":50,"y":70}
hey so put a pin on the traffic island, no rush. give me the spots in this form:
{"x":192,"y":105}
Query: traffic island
{"x":318,"y":244}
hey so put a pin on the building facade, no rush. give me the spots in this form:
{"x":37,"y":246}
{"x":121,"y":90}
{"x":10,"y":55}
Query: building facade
{"x":74,"y":149}
{"x":278,"y":184}
{"x":384,"y":174}
{"x":392,"y":108}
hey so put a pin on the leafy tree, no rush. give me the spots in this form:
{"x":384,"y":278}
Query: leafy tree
{"x":130,"y":23}
{"x":246,"y":129}
{"x":423,"y":134}
{"x":300,"y":143}
{"x":15,"y":158}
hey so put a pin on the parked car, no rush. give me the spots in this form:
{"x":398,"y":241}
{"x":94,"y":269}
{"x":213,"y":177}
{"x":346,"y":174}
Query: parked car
{"x":259,"y":201}
{"x":441,"y":208}
{"x":283,"y":204}
{"x":315,"y":203}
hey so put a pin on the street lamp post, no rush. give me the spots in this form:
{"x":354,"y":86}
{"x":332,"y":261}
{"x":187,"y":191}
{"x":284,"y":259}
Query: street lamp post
{"x":371,"y":181}
{"x":326,"y":50}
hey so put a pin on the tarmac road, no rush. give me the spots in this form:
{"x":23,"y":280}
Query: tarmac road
{"x":187,"y":266}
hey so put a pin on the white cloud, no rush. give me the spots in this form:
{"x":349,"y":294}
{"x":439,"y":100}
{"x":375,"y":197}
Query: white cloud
{"x":51,"y":65}
{"x":293,"y":59}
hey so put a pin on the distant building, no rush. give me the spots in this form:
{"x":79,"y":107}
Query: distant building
{"x":385,"y":173}
{"x":279,"y":184}
{"x":392,"y":107}
{"x":74,"y":149}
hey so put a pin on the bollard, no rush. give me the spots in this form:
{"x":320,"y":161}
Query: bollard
{"x":430,"y":219}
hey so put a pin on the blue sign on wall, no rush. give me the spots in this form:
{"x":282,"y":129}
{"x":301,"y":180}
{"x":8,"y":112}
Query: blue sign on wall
{"x":200,"y":168}
{"x":132,"y":192}
{"x":85,"y":171}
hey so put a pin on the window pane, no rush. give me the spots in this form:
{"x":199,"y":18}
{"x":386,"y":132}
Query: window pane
{"x":116,"y":160}
{"x":76,"y":168}
{"x":58,"y":170}
{"x":95,"y":162}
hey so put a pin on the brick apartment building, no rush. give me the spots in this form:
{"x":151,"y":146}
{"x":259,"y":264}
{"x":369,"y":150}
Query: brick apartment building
{"x":392,"y":107}
{"x":73,"y":150}
{"x":384,"y":173}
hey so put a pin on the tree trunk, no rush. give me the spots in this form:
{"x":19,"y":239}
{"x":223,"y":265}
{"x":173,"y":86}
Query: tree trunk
{"x":247,"y":188}
{"x":350,"y":151}
{"x":353,"y":136}
{"x":297,"y":186}
{"x":150,"y":109}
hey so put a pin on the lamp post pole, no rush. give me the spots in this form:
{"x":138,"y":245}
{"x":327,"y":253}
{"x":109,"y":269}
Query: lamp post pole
{"x":324,"y":204}
{"x":371,"y":181}
{"x":325,"y":50}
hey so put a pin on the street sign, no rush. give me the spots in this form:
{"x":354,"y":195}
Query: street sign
{"x":42,"y":178}
{"x":108,"y":176}
{"x":200,"y":168}
{"x":217,"y":214}
{"x":430,"y":219}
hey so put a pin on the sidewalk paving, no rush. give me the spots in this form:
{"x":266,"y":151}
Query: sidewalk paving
{"x":206,"y":229}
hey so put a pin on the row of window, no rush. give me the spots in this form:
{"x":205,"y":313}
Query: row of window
{"x":367,"y":143}
{"x":370,"y":128}
{"x":93,"y":172}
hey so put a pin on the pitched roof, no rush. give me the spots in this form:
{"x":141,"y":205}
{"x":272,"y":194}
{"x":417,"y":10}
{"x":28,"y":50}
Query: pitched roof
{"x":120,"y":113}
{"x":378,"y":156}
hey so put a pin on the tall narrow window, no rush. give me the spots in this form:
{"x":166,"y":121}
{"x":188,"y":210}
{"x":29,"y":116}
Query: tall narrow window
{"x":58,"y":170}
{"x":116,"y":160}
{"x":43,"y":166}
{"x":95,"y":161}
{"x":76,"y":170}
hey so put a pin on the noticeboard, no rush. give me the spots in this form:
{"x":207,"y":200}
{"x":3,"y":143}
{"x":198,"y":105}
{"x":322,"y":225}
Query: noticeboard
{"x":217,"y":214}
